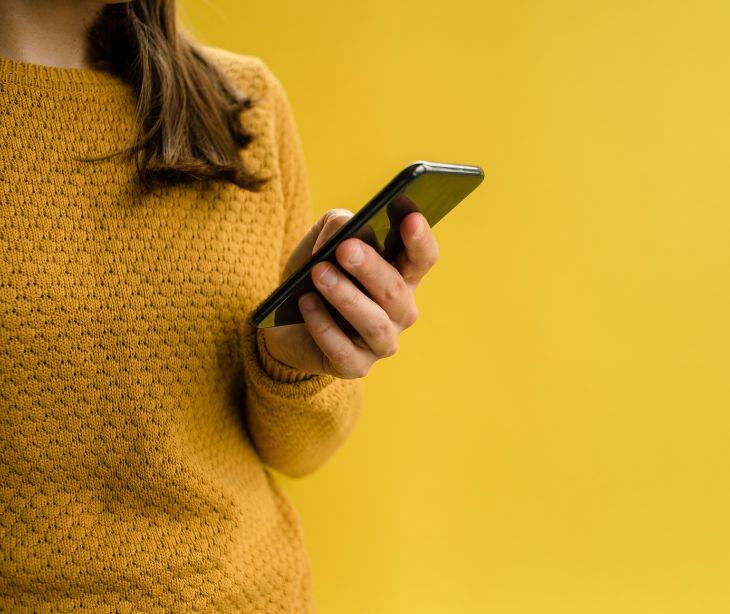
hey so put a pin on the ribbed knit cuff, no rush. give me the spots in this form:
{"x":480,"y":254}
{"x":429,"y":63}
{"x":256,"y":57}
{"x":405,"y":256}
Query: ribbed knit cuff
{"x":274,"y":368}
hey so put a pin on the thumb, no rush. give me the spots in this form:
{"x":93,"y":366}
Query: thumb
{"x":328,"y":224}
{"x":317,"y":235}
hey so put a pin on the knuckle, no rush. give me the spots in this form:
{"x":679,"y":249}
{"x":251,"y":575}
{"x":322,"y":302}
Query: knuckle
{"x":432,"y":257}
{"x":390,"y":349}
{"x":410,"y":316}
{"x":329,"y":366}
{"x":341,"y":356}
{"x":394,"y":288}
{"x":380,"y":330}
{"x":349,"y":299}
{"x":412,"y":276}
{"x":360,"y":370}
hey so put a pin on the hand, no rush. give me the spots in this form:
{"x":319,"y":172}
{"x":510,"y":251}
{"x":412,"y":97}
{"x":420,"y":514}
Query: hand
{"x":320,"y":345}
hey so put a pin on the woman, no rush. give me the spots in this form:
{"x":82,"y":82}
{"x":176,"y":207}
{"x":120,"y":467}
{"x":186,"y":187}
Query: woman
{"x":152,"y":193}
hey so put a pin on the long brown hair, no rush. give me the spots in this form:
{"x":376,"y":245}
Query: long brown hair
{"x":188,"y":113}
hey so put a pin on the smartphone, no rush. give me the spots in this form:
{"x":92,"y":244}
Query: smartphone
{"x":431,"y":188}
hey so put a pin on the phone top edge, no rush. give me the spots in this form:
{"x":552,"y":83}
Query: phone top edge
{"x":445,"y":167}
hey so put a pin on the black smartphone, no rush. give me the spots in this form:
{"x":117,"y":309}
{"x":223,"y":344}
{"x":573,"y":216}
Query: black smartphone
{"x":431,"y":188}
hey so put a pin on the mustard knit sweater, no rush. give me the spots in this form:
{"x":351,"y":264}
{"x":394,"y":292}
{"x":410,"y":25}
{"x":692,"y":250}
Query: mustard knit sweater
{"x":139,"y":410}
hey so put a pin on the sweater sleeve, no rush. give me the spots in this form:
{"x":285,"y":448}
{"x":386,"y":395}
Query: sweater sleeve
{"x":297,"y":420}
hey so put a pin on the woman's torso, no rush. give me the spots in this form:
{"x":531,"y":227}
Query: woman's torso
{"x":126,"y":472}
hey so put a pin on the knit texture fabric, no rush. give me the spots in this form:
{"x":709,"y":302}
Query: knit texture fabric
{"x":140,"y":412}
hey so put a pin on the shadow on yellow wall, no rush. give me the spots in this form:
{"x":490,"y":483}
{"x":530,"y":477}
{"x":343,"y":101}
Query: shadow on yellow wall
{"x":552,"y":436}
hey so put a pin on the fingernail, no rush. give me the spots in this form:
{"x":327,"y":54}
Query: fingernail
{"x":328,"y":278}
{"x":308,"y":303}
{"x":357,"y":255}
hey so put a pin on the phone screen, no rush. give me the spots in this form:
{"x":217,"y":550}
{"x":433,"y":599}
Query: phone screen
{"x":430,"y":188}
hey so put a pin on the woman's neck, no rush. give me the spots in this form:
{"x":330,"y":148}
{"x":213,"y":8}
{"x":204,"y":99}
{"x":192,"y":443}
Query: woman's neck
{"x":48,"y":32}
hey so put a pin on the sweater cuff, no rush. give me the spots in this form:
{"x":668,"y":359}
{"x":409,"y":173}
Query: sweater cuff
{"x":274,"y":368}
{"x":263,"y":379}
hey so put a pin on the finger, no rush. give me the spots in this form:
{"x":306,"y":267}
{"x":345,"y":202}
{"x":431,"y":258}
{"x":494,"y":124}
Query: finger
{"x":421,"y":250}
{"x":331,"y":222}
{"x":309,"y":243}
{"x":366,"y":316}
{"x":382,"y":280}
{"x":340,"y":356}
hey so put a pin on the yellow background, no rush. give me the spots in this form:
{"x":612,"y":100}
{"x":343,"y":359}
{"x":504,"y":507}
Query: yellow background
{"x":553,"y":436}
